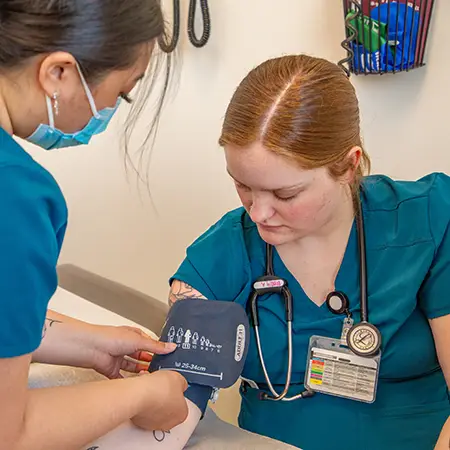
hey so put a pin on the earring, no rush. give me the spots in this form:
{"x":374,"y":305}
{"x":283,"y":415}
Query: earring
{"x":55,"y":103}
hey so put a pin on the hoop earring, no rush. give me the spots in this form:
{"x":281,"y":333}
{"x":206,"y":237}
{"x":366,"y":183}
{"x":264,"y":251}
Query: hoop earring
{"x":55,"y":103}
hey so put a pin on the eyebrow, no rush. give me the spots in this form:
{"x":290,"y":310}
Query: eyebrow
{"x":283,"y":188}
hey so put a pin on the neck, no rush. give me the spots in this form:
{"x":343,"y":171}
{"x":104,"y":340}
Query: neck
{"x":5,"y":119}
{"x":335,"y":231}
{"x":19,"y":102}
{"x":342,"y":220}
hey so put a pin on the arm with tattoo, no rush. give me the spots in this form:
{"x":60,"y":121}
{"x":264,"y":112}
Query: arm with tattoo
{"x":61,"y":342}
{"x":129,"y":437}
{"x":49,"y":322}
{"x":180,"y":290}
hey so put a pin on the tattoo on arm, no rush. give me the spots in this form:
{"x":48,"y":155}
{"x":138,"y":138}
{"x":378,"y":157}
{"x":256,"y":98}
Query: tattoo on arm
{"x":48,"y":324}
{"x":160,"y":435}
{"x":182,"y":291}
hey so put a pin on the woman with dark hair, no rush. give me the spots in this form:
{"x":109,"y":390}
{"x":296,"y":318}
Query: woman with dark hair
{"x":65,"y":65}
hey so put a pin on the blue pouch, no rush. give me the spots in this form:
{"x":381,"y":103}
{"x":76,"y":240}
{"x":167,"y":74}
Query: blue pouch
{"x":365,"y":61}
{"x":382,"y":60}
{"x":403,"y":28}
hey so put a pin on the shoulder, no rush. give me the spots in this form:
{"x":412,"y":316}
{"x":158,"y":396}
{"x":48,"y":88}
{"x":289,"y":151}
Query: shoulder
{"x":418,"y":210}
{"x":223,"y":241}
{"x":217,"y":263}
{"x":32,"y":227}
{"x":385,"y":193}
{"x":230,"y":227}
{"x":24,"y":183}
{"x":33,"y":210}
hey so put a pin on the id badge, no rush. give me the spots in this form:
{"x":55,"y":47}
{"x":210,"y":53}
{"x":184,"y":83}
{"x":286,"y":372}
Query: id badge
{"x":333,"y":369}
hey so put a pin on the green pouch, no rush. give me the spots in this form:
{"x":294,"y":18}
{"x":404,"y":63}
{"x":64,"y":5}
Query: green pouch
{"x":371,"y":33}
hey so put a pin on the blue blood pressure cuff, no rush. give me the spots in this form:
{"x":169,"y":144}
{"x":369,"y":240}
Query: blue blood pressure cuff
{"x":212,"y":340}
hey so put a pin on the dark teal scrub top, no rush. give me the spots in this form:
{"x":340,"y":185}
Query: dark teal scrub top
{"x":408,"y":259}
{"x":33,"y":219}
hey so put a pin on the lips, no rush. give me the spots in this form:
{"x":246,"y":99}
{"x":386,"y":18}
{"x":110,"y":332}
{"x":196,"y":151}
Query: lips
{"x":270,"y":227}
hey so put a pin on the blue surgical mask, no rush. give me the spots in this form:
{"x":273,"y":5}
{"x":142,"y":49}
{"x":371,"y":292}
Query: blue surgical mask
{"x":49,"y":137}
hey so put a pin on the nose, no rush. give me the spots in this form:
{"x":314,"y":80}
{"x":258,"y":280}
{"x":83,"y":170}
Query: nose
{"x":260,"y":210}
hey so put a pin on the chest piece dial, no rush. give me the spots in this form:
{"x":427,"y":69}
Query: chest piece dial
{"x":364,"y":339}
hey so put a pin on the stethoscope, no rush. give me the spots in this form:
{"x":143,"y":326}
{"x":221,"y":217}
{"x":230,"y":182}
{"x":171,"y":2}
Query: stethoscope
{"x":363,"y":339}
{"x":169,"y":47}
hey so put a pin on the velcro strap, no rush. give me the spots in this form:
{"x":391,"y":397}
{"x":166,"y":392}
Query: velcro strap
{"x":212,"y":338}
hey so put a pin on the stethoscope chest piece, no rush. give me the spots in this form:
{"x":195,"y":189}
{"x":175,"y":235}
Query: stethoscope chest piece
{"x":364,"y":339}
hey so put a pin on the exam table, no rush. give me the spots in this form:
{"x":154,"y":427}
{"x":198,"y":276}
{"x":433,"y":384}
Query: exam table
{"x":94,"y":299}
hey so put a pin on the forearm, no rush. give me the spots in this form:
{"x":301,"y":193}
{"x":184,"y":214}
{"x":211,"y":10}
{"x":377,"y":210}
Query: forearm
{"x":71,"y":417}
{"x":62,"y":341}
{"x":444,"y":439}
{"x":132,"y":438}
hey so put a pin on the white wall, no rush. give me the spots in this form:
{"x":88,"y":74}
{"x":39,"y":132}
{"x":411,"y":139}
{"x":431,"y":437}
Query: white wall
{"x":113,"y":229}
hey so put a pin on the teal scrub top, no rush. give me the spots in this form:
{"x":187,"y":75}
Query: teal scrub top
{"x":33,"y":219}
{"x":408,"y":260}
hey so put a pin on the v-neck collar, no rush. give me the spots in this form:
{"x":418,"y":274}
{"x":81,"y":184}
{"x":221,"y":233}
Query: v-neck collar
{"x":343,"y":282}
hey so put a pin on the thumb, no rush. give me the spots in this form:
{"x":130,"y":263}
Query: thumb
{"x":182,"y":380}
{"x":184,"y":383}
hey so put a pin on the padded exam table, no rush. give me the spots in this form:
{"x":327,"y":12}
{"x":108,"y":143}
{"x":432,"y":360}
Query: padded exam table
{"x":211,"y":434}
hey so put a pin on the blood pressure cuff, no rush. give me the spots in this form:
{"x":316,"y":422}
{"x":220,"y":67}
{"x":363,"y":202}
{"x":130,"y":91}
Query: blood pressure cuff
{"x":199,"y":395}
{"x":212,"y":340}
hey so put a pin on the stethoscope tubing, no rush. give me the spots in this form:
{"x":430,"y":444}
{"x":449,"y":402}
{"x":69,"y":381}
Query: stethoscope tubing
{"x":276,"y":396}
{"x":362,"y":264}
{"x":269,"y":272}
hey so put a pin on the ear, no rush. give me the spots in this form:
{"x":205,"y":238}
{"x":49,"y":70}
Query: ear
{"x":58,"y":73}
{"x":354,"y":157}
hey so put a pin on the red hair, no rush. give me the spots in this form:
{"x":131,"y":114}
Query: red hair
{"x":299,"y":107}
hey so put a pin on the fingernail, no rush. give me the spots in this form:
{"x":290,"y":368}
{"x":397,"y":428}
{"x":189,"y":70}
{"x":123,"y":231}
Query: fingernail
{"x":170,"y":346}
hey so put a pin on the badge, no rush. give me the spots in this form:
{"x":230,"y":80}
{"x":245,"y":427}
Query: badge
{"x":334,"y":369}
